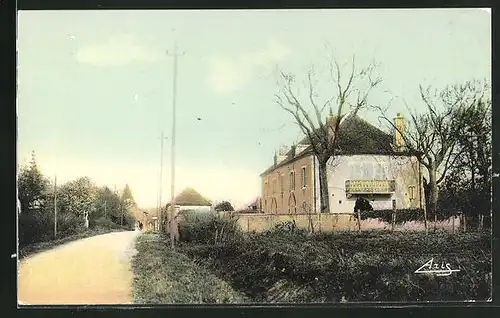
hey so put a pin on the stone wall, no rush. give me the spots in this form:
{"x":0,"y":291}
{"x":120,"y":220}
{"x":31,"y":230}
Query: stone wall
{"x":335,"y":221}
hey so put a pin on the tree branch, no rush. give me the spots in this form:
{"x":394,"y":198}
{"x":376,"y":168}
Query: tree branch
{"x":311,"y":99}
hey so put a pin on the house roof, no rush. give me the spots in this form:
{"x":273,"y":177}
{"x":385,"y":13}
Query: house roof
{"x":255,"y":201}
{"x":189,"y":196}
{"x":356,"y":137}
{"x":359,"y":137}
{"x":289,"y":158}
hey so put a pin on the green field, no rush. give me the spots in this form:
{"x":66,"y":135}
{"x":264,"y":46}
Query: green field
{"x":287,"y":265}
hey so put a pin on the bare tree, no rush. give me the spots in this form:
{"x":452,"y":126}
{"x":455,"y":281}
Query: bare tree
{"x":433,"y":134}
{"x":347,"y":93}
{"x":467,"y":186}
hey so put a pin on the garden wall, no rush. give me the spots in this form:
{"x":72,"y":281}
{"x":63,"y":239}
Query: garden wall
{"x":335,"y":221}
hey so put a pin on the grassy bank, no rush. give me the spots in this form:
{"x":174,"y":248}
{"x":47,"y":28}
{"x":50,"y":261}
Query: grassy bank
{"x":288,"y":265}
{"x":164,"y":276}
{"x":47,"y":245}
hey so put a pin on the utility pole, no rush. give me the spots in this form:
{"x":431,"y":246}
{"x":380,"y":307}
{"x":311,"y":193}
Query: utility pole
{"x":158,"y":196}
{"x":105,"y":208}
{"x":122,"y":206}
{"x":162,"y":138}
{"x":173,"y":222}
{"x":55,"y":207}
{"x":119,"y":199}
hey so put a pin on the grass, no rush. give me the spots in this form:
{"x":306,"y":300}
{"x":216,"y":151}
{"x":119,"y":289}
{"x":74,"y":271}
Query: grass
{"x":284,"y":267}
{"x":165,"y":276}
{"x":47,"y":245}
{"x":215,"y":263}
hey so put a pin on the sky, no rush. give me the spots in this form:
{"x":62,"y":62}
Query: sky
{"x":95,"y":88}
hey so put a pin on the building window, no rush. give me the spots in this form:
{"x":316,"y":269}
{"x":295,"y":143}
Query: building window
{"x":378,"y":172}
{"x":411,"y":190}
{"x":355,"y":171}
{"x":274,"y":185}
{"x":305,"y":208}
{"x":303,"y":177}
{"x":282,"y":183}
{"x":292,"y":204}
{"x":367,"y":170}
{"x":292,"y":180}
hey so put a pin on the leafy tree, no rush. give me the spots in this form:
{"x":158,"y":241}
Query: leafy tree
{"x":107,"y":204}
{"x":77,"y":197}
{"x":224,"y":206}
{"x":127,"y":197}
{"x":127,"y":204}
{"x":32,"y":187}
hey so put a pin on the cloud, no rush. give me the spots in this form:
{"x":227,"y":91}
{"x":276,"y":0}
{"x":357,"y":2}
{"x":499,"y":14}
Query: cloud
{"x":116,"y":51}
{"x":228,"y":74}
{"x":217,"y":183}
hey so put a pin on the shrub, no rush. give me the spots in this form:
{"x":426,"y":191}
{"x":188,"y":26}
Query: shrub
{"x":129,"y":221}
{"x":103,"y":222}
{"x":207,"y":227}
{"x":362,"y":204}
{"x":69,"y":224}
{"x":402,"y":215}
{"x":224,"y":206}
{"x":285,"y":230}
{"x":39,"y":227}
{"x":285,"y":227}
{"x":34,"y":227}
{"x":406,"y":215}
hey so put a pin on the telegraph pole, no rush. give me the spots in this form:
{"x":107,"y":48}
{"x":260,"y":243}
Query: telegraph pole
{"x":162,"y":138}
{"x":158,"y":196}
{"x":173,"y":222}
{"x":55,"y":207}
{"x":119,"y":199}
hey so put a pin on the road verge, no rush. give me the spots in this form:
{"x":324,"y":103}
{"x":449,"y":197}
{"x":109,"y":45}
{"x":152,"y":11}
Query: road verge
{"x":164,"y":276}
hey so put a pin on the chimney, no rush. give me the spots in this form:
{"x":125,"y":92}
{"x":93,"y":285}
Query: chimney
{"x":275,"y":159}
{"x":292,"y":150}
{"x":300,"y":148}
{"x":399,"y":123}
{"x":281,"y":154}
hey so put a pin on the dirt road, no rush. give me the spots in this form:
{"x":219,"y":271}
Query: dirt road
{"x":95,"y":270}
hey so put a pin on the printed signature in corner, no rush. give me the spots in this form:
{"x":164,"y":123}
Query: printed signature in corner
{"x":433,"y":268}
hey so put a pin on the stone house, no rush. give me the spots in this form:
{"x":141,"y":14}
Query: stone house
{"x":190,"y":199}
{"x":368,"y":163}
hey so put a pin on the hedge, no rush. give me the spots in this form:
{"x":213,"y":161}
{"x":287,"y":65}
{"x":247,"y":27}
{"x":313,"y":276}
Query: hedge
{"x":405,"y":215}
{"x":37,"y":227}
{"x":205,"y":227}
